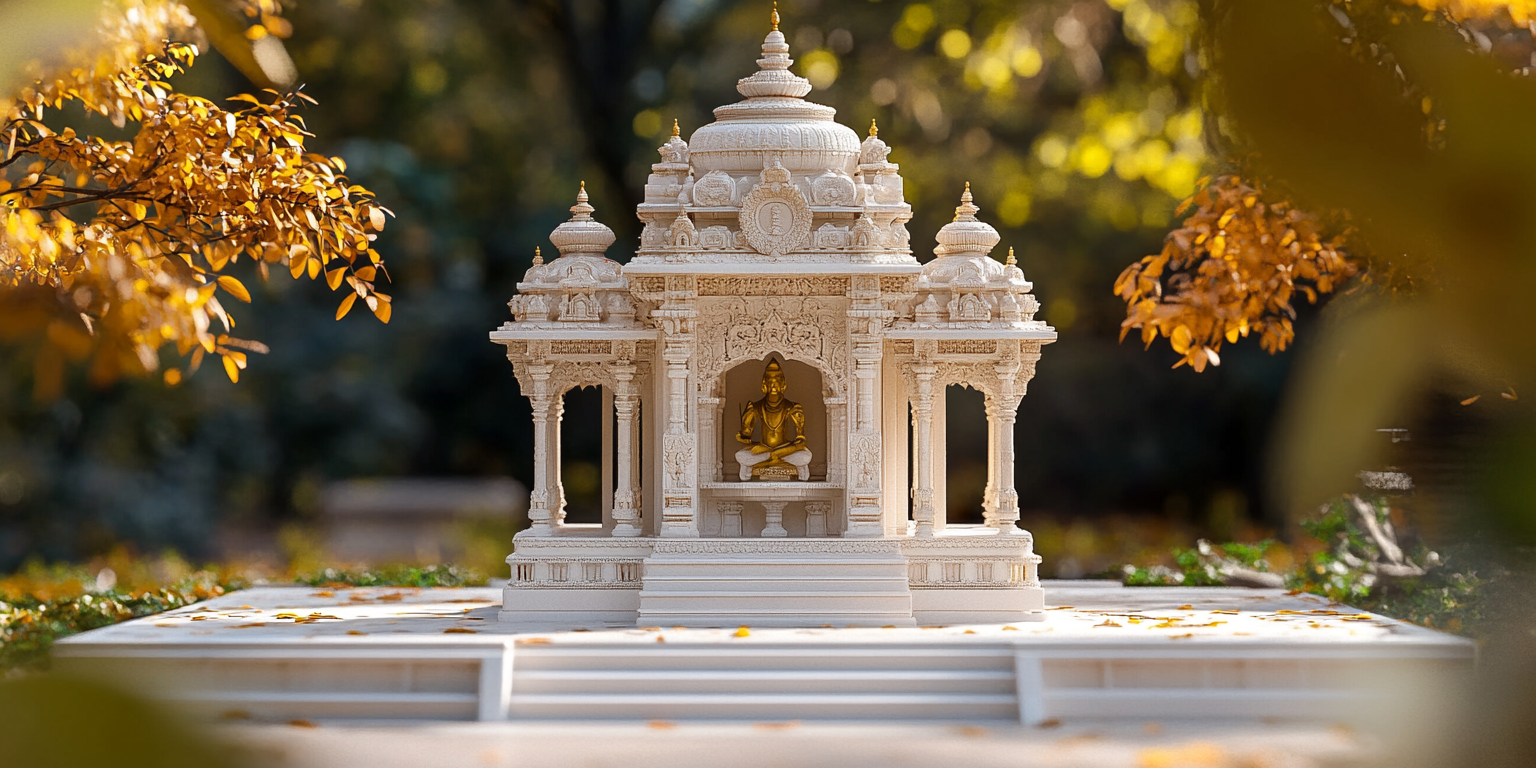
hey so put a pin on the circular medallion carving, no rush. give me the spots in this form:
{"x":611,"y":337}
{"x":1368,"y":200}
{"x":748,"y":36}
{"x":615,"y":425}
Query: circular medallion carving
{"x":775,"y":217}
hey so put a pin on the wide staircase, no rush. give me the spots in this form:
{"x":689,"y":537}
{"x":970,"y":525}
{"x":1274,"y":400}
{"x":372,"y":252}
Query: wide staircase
{"x":778,"y":682}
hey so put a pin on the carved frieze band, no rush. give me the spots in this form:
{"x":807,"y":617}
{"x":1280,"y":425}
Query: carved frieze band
{"x":648,"y":285}
{"x":775,"y":547}
{"x":967,"y":346}
{"x":580,"y":347}
{"x":824,"y":285}
{"x":577,"y":573}
{"x":1022,"y":543}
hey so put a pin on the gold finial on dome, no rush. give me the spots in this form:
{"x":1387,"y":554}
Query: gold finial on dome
{"x":775,"y":16}
{"x":676,"y":131}
{"x":538,"y":256}
{"x":1012,"y":262}
{"x":582,"y":210}
{"x":874,"y":130}
{"x":966,"y":211}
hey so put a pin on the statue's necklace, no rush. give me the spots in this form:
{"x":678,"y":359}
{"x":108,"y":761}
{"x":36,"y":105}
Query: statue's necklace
{"x":773,"y":417}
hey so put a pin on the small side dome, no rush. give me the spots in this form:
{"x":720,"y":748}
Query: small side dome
{"x":582,"y":235}
{"x":966,"y":235}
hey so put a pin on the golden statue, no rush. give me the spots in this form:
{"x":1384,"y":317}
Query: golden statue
{"x":777,"y":456}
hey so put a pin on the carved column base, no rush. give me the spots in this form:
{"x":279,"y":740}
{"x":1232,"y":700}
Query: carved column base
{"x":774,"y":511}
{"x":626,"y":522}
{"x":1007,"y":518}
{"x":539,"y":523}
{"x":678,"y":520}
{"x":864,"y":523}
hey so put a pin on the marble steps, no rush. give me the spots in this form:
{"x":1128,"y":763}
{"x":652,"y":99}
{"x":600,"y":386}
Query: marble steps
{"x":769,"y":590}
{"x":766,"y":683}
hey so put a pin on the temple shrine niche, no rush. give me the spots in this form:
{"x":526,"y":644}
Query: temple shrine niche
{"x":764,"y":355}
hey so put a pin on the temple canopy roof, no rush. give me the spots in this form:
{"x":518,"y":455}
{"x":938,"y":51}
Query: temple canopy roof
{"x":774,"y":120}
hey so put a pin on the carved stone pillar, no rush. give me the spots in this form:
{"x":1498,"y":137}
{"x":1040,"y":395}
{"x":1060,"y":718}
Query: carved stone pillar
{"x":837,"y":440}
{"x":709,"y":437}
{"x":1006,"y":515}
{"x":556,"y":487}
{"x":994,"y":450}
{"x":539,"y":513}
{"x":865,"y":450}
{"x":1014,"y":370}
{"x":541,"y":499}
{"x":626,"y":497}
{"x":679,"y":444}
{"x":922,"y":455}
{"x":866,"y":320}
{"x":989,"y":496}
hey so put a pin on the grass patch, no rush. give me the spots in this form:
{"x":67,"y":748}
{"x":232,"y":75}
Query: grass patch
{"x":41,"y":604}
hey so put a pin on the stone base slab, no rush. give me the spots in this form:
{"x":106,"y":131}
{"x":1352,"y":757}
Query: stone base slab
{"x":375,"y":654}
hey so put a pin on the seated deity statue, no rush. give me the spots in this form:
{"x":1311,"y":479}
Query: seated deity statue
{"x":776,"y":456}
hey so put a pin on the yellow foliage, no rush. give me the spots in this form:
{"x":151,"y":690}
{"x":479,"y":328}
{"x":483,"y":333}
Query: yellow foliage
{"x":1233,"y":268}
{"x":1521,"y":11}
{"x":134,"y":238}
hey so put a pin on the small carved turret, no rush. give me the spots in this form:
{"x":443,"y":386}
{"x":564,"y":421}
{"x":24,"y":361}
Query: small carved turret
{"x":582,"y":234}
{"x":967,"y":235}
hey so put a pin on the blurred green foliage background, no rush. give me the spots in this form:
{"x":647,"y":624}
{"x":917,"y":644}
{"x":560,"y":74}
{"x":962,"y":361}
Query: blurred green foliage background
{"x":1077,"y":123}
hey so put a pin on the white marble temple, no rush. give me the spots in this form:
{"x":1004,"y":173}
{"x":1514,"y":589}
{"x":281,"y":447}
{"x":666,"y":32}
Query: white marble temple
{"x":774,"y":233}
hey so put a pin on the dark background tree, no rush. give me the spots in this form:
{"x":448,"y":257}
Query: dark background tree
{"x":1077,"y":124}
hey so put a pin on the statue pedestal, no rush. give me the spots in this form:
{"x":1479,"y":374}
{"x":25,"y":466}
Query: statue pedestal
{"x":775,"y":527}
{"x":729,"y":499}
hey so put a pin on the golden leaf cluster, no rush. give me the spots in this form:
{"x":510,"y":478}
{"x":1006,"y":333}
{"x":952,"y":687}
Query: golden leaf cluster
{"x":1231,"y":270}
{"x":1521,"y":11}
{"x":111,"y":250}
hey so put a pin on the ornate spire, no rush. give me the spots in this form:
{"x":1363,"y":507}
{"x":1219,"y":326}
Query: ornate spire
{"x":581,"y":210}
{"x":966,"y":211}
{"x":874,"y":130}
{"x":773,"y":78}
{"x":538,"y":256}
{"x":966,"y":235}
{"x":774,"y":17}
{"x":582,"y":234}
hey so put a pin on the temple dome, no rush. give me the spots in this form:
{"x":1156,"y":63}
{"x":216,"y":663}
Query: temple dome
{"x":966,"y":234}
{"x":582,"y":235}
{"x":774,"y":121}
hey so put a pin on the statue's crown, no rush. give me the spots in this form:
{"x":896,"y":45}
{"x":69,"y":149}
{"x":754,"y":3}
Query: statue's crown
{"x":773,"y":367}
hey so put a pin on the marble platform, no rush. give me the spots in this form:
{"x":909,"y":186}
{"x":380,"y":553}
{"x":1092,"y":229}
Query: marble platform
{"x":386,"y":654}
